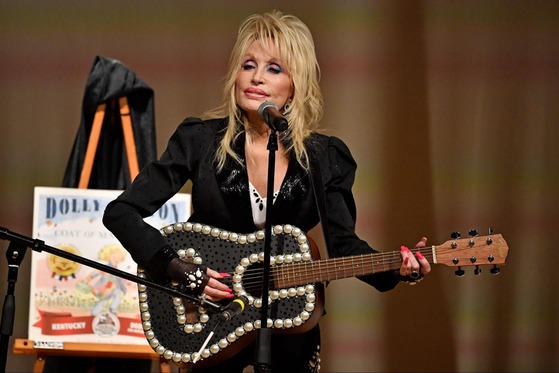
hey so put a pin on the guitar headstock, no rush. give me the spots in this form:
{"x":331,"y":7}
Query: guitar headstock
{"x":472,"y":251}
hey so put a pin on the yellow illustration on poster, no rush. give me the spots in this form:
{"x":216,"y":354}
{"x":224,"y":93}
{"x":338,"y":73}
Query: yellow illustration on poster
{"x":71,"y":302}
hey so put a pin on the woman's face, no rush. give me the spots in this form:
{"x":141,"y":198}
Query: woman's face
{"x":262,"y":77}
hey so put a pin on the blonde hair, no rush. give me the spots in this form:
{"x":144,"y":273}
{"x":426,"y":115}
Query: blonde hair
{"x":294,"y":43}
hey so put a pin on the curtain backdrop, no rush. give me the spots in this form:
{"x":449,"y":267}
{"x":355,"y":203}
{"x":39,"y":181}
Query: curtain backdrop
{"x":451,"y":109}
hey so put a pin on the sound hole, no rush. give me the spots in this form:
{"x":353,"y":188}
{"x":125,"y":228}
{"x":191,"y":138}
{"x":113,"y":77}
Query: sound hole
{"x":252,"y":279}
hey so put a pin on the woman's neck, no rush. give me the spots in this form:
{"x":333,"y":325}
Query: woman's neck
{"x":257,"y":154}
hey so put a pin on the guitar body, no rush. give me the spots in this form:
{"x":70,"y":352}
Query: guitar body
{"x":177,"y":329}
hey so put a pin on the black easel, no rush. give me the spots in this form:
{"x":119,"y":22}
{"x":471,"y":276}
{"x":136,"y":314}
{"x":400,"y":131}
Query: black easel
{"x":15,"y":254}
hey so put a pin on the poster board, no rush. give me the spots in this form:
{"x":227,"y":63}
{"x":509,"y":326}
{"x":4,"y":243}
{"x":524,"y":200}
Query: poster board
{"x":71,"y":302}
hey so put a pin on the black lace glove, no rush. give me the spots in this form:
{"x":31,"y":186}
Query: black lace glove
{"x":191,"y":275}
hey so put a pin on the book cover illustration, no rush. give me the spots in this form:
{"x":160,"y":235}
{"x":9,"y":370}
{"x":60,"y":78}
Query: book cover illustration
{"x":72,"y":302}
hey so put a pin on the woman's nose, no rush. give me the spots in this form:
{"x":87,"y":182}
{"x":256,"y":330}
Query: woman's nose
{"x":257,"y":77}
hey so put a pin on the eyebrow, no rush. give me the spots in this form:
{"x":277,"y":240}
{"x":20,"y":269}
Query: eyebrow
{"x":252,"y":57}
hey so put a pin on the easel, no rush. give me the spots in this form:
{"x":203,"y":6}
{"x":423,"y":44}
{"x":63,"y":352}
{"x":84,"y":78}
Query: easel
{"x":129,"y":142}
{"x":25,"y":346}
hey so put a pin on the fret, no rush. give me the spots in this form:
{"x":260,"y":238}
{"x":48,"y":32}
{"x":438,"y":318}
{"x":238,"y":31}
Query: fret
{"x":314,"y":273}
{"x":285,"y":272}
{"x":373,"y":262}
{"x":276,"y":280}
{"x":297,"y":274}
{"x":336,"y":268}
{"x":303,"y":271}
{"x":327,"y":265}
{"x":383,"y":263}
{"x":281,"y":278}
{"x":293,"y":273}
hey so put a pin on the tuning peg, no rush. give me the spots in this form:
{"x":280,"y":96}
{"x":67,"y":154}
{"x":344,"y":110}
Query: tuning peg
{"x":455,"y":235}
{"x":495,"y":270}
{"x":473,"y":232}
{"x":477,"y":271}
{"x":459,"y":272}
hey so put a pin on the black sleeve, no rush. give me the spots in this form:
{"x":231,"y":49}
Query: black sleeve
{"x":155,"y":184}
{"x":339,"y":176}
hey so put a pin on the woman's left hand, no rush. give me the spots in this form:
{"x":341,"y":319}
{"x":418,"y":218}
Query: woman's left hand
{"x":414,"y":265}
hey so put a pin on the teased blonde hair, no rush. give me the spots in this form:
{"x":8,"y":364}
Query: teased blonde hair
{"x":294,"y":44}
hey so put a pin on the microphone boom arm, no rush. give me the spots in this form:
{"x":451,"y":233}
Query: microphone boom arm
{"x":39,"y":246}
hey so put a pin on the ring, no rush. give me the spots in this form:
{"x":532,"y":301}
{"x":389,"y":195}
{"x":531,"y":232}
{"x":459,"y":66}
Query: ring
{"x":414,"y":274}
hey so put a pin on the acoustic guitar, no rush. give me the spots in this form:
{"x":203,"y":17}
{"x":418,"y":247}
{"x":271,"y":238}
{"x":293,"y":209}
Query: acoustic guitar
{"x":186,"y":333}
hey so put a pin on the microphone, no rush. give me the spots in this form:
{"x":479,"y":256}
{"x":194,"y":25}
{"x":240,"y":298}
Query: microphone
{"x":269,"y":113}
{"x":227,"y":313}
{"x":234,"y":308}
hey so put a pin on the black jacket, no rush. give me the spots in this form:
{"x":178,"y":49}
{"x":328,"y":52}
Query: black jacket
{"x":222,"y":200}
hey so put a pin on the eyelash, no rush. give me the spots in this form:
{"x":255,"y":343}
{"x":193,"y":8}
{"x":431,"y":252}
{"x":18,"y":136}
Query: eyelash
{"x":275,"y":69}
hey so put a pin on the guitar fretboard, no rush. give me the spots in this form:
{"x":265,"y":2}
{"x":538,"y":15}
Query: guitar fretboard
{"x":339,"y":268}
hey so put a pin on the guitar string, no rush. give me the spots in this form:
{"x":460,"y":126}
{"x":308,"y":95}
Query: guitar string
{"x":291,"y":274}
{"x":252,"y":278}
{"x":343,"y":263}
{"x":297,"y":273}
{"x":340,"y":267}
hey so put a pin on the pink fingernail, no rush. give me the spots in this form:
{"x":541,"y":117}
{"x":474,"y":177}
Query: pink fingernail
{"x":406,"y":260}
{"x":229,"y":290}
{"x":230,"y":296}
{"x":404,"y":248}
{"x":224,"y":274}
{"x":419,"y":255}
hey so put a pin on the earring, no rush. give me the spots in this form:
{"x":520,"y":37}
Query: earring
{"x":286,"y":107}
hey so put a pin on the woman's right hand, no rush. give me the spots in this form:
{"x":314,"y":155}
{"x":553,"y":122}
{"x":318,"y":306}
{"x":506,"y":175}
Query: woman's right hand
{"x":200,"y":280}
{"x":215,"y":289}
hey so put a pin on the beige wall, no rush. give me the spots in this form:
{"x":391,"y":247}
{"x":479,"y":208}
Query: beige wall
{"x":449,"y":107}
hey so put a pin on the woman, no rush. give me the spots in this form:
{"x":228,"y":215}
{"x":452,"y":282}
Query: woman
{"x":225,"y":157}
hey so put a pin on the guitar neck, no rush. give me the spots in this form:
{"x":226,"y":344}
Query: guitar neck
{"x":340,"y":268}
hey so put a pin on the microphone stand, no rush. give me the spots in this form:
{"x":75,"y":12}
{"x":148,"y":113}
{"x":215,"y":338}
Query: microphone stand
{"x":15,"y":254}
{"x":263,"y":353}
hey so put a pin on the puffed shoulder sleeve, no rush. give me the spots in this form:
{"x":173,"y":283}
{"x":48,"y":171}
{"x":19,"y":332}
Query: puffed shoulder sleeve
{"x":341,"y":171}
{"x":338,"y":175}
{"x":156,"y":183}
